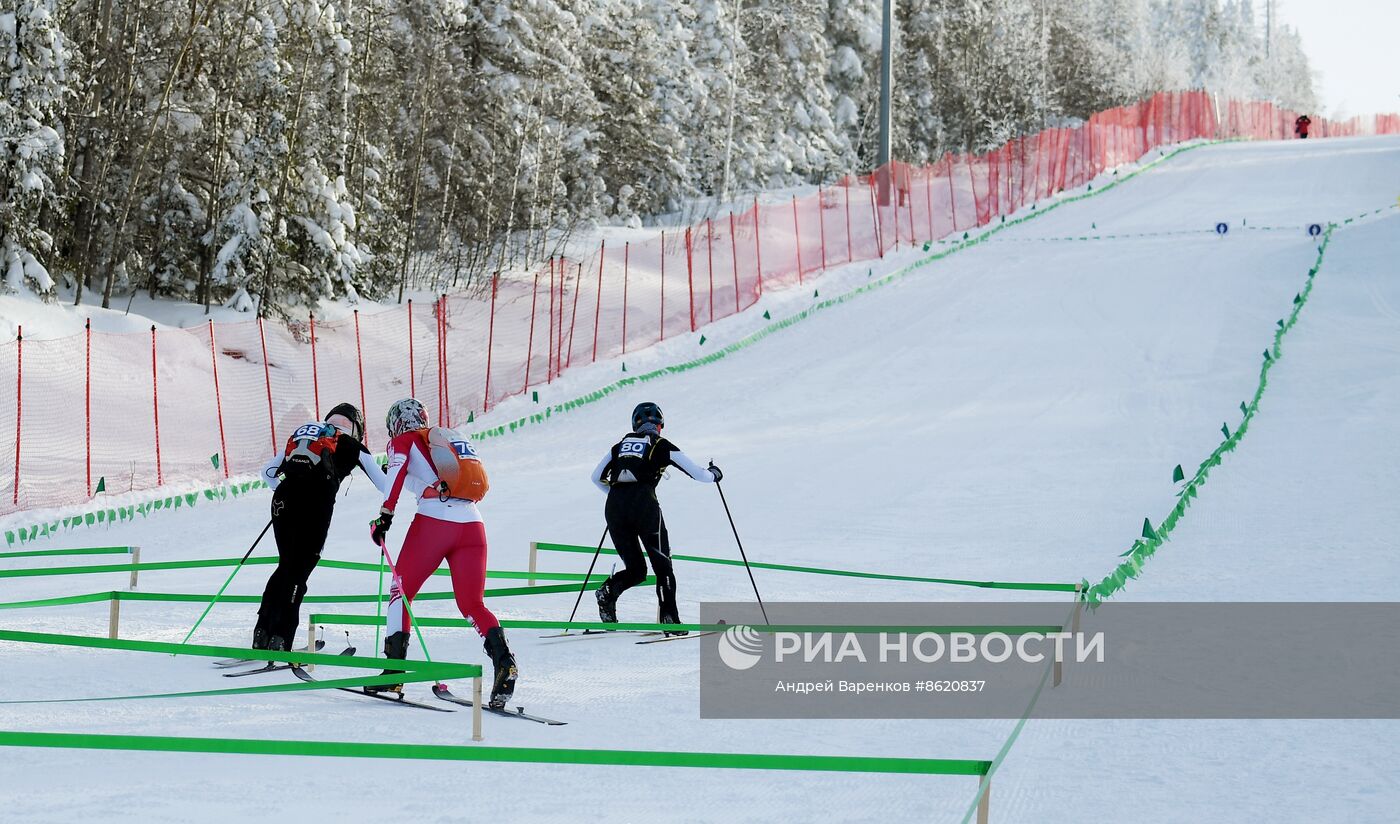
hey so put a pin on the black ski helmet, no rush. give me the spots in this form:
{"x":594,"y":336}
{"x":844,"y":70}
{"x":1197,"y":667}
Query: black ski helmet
{"x":352,"y":414}
{"x":647,"y":412}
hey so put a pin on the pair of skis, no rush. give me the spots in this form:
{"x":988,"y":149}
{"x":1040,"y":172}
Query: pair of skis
{"x":441,"y":692}
{"x":270,"y":666}
{"x":647,"y":636}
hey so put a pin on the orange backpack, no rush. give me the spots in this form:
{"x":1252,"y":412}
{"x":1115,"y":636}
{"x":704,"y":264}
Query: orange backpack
{"x":458,"y":467}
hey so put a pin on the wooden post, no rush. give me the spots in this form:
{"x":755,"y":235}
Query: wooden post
{"x":267,"y":381}
{"x":984,"y":807}
{"x":757,"y":248}
{"x":315,"y":380}
{"x":218,"y":400}
{"x":1073,"y":628}
{"x":663,"y":284}
{"x":552,"y":364}
{"x":598,"y":298}
{"x":626,"y":272}
{"x":310,"y":642}
{"x":534,"y":557}
{"x":797,"y":238}
{"x":710,"y":262}
{"x":476,"y":708}
{"x":690,"y":277}
{"x":360,"y":366}
{"x":135,"y":561}
{"x":490,"y":342}
{"x":155,"y":404}
{"x":734,"y":259}
{"x":87,"y":403}
{"x":19,"y":403}
{"x":530,"y":341}
{"x":114,"y":613}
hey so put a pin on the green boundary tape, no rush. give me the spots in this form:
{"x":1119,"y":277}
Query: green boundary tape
{"x":201,"y":598}
{"x":414,"y":671}
{"x":266,"y":560}
{"x":703,"y":559}
{"x":44,"y":553}
{"x":525,"y":623}
{"x":518,"y":755}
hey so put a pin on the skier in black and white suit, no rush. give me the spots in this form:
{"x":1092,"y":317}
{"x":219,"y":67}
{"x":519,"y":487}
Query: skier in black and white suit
{"x":629,"y":474}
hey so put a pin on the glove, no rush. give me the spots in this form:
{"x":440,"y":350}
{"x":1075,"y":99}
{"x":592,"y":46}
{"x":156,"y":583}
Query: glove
{"x":379,"y":527}
{"x":714,"y":470}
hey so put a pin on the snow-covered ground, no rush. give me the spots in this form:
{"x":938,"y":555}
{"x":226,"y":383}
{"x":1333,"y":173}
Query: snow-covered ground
{"x":1010,"y":412}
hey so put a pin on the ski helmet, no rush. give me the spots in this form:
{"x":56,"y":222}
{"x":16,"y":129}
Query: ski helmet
{"x":647,"y":412}
{"x":405,"y":416}
{"x":351,"y":414}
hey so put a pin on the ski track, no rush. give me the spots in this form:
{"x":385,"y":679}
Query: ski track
{"x":1011,"y":412}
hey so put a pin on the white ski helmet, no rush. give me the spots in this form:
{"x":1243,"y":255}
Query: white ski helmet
{"x":405,"y":416}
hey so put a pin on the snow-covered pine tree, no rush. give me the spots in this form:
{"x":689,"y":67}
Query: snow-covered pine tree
{"x":789,"y":56}
{"x":34,"y":54}
{"x":853,"y":28}
{"x":639,"y":157}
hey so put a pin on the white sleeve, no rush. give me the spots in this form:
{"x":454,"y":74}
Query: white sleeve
{"x":269,"y":471}
{"x":598,"y":471}
{"x":375,"y":473}
{"x":691,"y":468}
{"x":420,"y":468}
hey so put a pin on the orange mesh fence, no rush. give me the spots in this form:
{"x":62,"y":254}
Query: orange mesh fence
{"x":102,"y":413}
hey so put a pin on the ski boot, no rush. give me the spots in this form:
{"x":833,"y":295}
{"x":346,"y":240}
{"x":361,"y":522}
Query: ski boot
{"x":673,"y":618}
{"x":262,"y":639}
{"x":607,"y":604}
{"x":504,"y":684}
{"x":396,"y":647}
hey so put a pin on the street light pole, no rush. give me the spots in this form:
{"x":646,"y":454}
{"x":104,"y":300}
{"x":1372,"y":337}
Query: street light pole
{"x":886,"y":79}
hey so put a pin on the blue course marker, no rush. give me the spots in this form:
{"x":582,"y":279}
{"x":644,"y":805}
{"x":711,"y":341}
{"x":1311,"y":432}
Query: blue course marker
{"x":1222,"y":228}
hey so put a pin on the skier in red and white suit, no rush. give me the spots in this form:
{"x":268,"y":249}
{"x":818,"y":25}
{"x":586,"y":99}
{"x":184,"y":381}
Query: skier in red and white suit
{"x":445,"y":528}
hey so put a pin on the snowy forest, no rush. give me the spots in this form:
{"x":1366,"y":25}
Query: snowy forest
{"x":265,"y":154}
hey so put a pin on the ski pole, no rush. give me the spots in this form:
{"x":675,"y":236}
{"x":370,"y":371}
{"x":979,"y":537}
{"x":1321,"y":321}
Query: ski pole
{"x":394,"y":575}
{"x":220,"y":593}
{"x":583,"y":587}
{"x":379,"y":602}
{"x":741,"y":553}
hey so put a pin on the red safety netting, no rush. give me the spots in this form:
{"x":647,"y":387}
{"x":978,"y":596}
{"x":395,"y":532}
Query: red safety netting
{"x":130,"y":412}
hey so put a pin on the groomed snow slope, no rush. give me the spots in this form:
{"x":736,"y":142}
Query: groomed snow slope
{"x":1010,"y":412}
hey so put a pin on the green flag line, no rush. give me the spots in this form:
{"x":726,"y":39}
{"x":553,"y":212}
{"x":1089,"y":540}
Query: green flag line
{"x":827,"y":571}
{"x":92,"y":550}
{"x":369,"y":620}
{"x":151,"y":566}
{"x":1154,"y":536}
{"x":518,"y":755}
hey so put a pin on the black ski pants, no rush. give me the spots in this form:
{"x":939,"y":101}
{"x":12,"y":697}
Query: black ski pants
{"x":635,"y":522}
{"x":301,"y":517}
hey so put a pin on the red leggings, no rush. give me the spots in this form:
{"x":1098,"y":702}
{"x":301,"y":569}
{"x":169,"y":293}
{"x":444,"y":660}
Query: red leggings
{"x":428,"y":543}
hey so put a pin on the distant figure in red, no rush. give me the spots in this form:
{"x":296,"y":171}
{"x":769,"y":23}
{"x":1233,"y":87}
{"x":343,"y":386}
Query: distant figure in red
{"x":1300,"y":126}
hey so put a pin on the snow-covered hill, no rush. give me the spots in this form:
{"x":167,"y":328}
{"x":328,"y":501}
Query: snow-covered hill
{"x":1010,"y":412}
